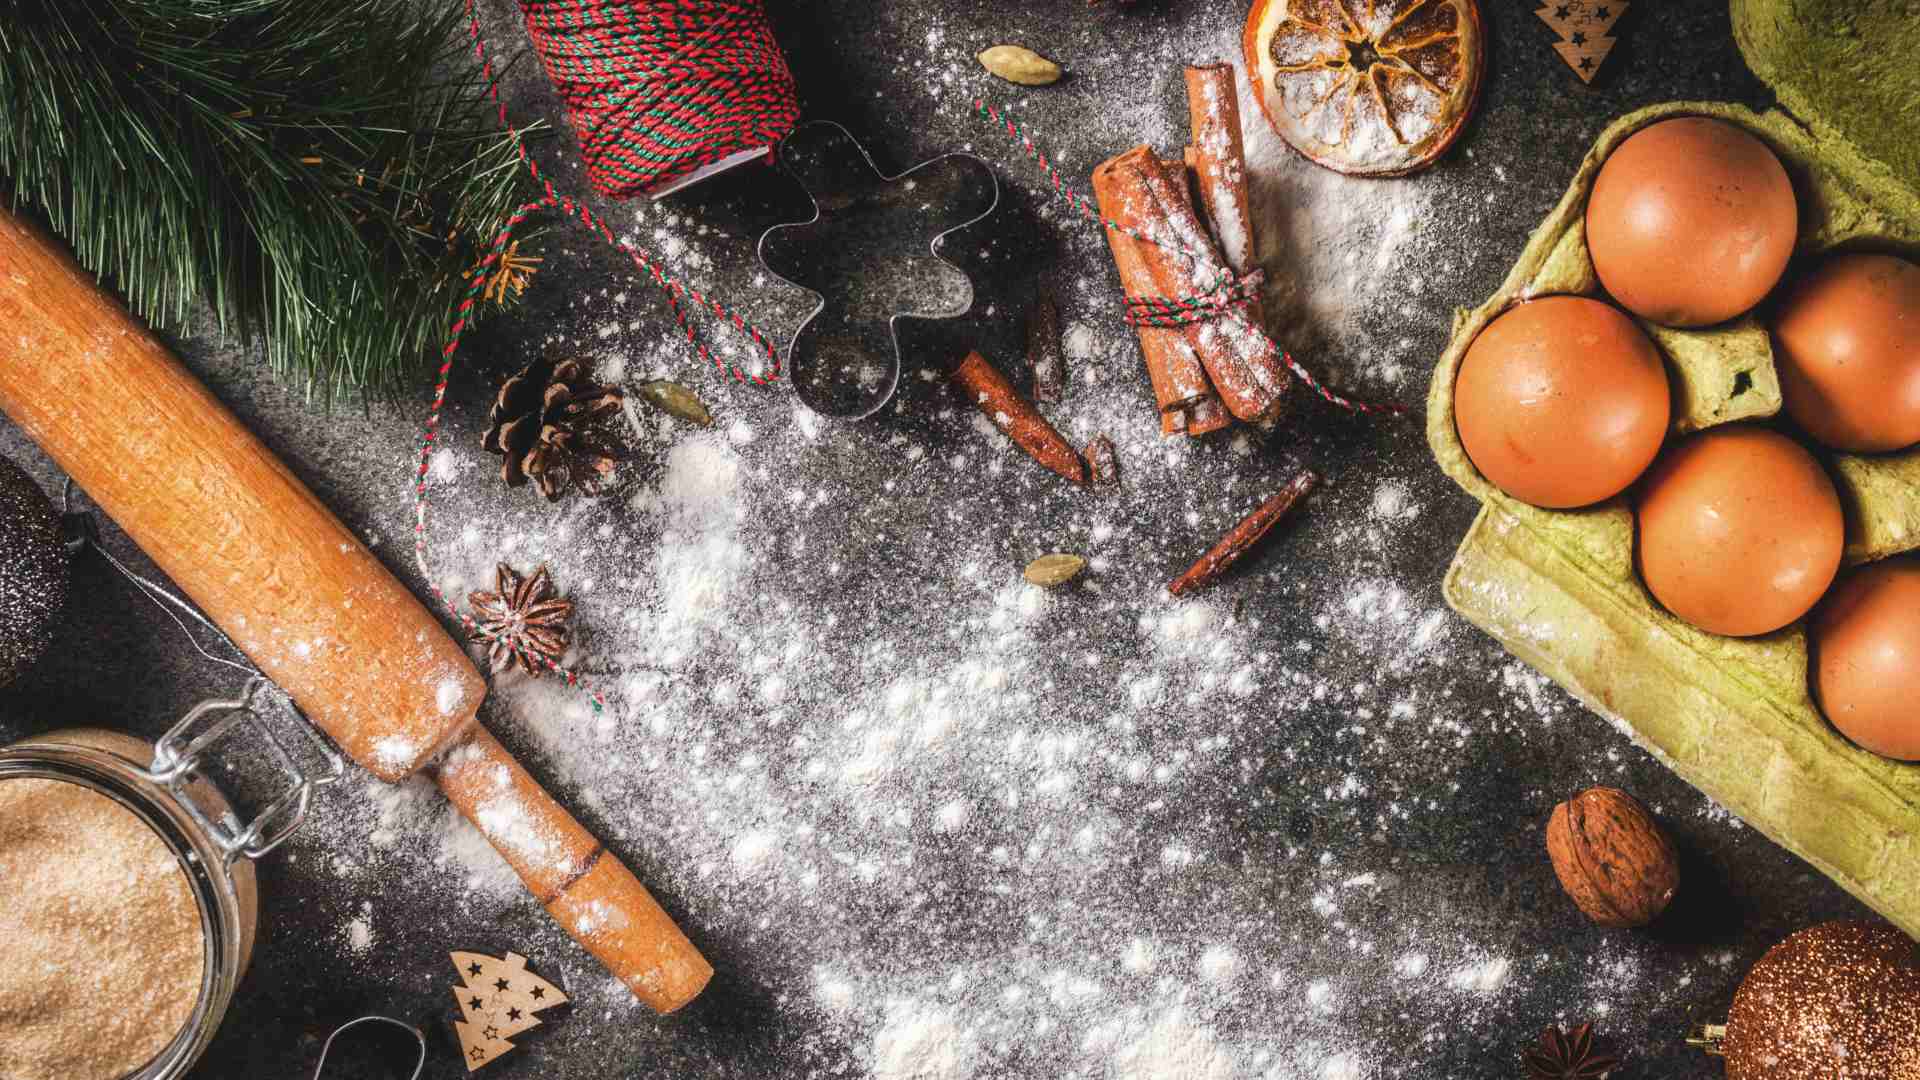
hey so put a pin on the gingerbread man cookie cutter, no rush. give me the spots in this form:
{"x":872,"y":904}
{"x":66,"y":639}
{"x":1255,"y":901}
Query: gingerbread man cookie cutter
{"x":871,"y":257}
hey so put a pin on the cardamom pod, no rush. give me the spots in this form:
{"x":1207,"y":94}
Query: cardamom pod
{"x":676,"y":400}
{"x":1019,"y":64}
{"x":1049,"y":571}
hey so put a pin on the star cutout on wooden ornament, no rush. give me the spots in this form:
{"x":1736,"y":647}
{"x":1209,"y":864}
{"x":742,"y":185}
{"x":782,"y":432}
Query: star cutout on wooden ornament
{"x":499,"y":999}
{"x":1584,"y":28}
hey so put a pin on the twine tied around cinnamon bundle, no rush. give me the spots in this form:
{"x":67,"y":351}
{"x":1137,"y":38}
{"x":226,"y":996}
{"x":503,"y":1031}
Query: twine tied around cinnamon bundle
{"x":1233,"y":292}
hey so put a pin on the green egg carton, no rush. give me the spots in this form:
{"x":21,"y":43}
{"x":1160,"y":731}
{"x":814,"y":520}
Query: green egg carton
{"x":1734,"y":717}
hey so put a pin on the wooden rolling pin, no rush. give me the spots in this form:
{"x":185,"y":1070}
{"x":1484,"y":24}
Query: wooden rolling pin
{"x":299,"y":592}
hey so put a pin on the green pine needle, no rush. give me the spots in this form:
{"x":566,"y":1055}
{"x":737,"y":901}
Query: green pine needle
{"x":308,"y":168}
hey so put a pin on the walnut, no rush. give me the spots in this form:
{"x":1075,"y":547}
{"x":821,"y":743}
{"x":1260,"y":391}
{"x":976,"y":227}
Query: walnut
{"x":1612,"y":857}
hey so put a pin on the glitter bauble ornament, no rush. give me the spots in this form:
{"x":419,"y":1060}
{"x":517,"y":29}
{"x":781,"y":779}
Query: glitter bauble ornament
{"x":1839,"y":1001}
{"x":33,"y":571}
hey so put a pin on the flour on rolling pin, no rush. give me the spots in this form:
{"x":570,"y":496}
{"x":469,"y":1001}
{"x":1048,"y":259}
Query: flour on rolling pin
{"x":582,"y":885}
{"x":299,"y":593}
{"x":230,"y":525}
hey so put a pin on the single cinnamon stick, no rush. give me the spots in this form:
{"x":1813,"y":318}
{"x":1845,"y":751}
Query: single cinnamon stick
{"x":1243,"y":536}
{"x":1241,"y":361}
{"x":1188,"y":404}
{"x":1207,"y":414}
{"x":1015,"y":416}
{"x":1044,"y":355}
{"x":1103,"y":462}
{"x":1218,"y":162}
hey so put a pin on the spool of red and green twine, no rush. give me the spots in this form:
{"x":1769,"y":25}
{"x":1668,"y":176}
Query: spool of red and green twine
{"x":664,"y":92}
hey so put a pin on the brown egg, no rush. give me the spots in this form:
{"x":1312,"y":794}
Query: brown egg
{"x":1866,"y":657}
{"x":1848,"y":348}
{"x":1562,"y":402}
{"x":1740,"y":530}
{"x":1691,"y":221}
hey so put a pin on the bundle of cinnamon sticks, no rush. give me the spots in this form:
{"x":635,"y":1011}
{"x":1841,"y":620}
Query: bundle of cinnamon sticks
{"x":1210,"y":371}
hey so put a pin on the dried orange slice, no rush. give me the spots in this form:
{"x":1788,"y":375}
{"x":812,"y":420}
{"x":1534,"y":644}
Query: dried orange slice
{"x":1366,"y":87}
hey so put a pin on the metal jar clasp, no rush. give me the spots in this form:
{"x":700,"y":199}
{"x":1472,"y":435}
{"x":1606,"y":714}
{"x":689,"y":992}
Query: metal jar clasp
{"x":179,"y":753}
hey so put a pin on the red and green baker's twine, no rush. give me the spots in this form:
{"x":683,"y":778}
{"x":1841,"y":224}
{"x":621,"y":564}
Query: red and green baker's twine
{"x":595,"y":20}
{"x":1181,"y":311}
{"x":657,"y":89}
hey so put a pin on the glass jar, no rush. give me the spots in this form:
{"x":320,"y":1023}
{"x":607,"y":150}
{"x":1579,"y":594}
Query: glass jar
{"x":160,"y":783}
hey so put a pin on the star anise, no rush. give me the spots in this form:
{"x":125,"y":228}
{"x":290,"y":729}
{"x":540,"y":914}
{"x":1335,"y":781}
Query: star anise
{"x":521,"y":621}
{"x":1567,"y":1056}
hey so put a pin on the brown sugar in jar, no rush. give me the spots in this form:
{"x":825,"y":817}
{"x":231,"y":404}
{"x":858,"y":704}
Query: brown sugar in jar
{"x":127,"y":918}
{"x":101,"y":933}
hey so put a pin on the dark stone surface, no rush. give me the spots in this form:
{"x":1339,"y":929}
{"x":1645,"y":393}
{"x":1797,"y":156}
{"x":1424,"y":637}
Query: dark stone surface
{"x":120,"y":664}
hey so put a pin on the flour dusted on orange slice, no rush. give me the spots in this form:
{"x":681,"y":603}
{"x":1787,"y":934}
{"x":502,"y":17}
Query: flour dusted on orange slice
{"x":1366,"y":87}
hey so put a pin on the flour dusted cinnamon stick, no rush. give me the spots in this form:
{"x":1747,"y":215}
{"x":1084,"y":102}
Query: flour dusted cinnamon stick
{"x":1188,"y":404}
{"x":1016,"y":417}
{"x":1241,"y":362}
{"x":1046,"y":359}
{"x":1218,"y":162}
{"x":1244,"y":536}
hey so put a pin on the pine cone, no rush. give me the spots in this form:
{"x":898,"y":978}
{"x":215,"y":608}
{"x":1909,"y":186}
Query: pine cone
{"x":539,"y":424}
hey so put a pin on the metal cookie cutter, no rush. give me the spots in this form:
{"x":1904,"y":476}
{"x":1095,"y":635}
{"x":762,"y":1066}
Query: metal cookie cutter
{"x":870,"y":254}
{"x":420,"y":1065}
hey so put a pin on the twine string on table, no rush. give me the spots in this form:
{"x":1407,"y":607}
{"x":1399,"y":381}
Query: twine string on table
{"x":593,"y":19}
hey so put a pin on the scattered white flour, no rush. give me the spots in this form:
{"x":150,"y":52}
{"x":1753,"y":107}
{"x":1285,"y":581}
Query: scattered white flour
{"x":1485,"y":977}
{"x":448,"y":695}
{"x":920,"y":1042}
{"x":360,"y":934}
{"x":1218,"y":964}
{"x":1173,"y":1046}
{"x":396,"y":751}
{"x":958,"y":826}
{"x":413,"y":816}
{"x":1349,"y":265}
{"x":1345,"y":1067}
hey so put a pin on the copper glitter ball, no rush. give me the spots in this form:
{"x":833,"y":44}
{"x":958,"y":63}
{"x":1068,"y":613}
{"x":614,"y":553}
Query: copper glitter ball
{"x":1839,"y":1001}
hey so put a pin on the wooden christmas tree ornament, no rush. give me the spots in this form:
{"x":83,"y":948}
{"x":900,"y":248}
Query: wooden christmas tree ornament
{"x":498,"y":999}
{"x":1582,"y":26}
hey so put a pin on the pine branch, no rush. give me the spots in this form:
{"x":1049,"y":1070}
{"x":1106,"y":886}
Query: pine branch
{"x":320,"y":172}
